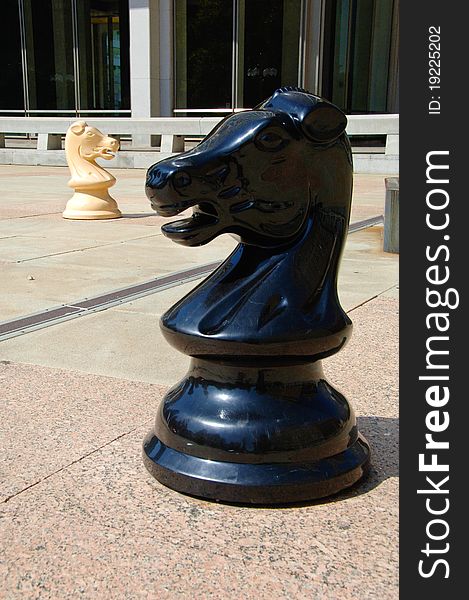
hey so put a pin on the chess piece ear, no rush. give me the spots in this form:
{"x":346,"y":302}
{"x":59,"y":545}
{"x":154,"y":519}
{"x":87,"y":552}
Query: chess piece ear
{"x":324,"y":123}
{"x":78,"y":127}
{"x":319,"y":120}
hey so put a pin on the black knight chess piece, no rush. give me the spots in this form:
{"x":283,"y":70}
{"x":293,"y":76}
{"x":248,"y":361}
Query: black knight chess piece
{"x":255,"y":420}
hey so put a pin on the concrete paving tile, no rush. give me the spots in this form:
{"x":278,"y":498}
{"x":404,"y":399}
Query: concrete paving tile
{"x":30,"y":209}
{"x":392,"y":293}
{"x":73,"y":276}
{"x":366,"y":270}
{"x":44,"y":190}
{"x":18,"y":305}
{"x":32,"y":191}
{"x":368,"y":196}
{"x":103,"y":528}
{"x":362,"y":281}
{"x":51,"y":418}
{"x":55,"y":284}
{"x":80,"y":267}
{"x":152,"y":252}
{"x":119,"y":344}
{"x":157,"y":304}
{"x":22,"y":248}
{"x":364,"y":275}
{"x":18,"y":170}
{"x":167,"y":257}
{"x":55,"y":226}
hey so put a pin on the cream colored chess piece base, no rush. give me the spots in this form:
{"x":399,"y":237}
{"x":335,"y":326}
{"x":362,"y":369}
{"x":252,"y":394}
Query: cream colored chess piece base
{"x":83,"y":145}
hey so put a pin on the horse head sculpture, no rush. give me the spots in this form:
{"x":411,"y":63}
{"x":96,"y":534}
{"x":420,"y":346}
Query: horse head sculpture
{"x":259,"y":174}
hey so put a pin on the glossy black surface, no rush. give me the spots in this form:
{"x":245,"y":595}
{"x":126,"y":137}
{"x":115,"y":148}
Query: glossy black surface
{"x":254,"y":420}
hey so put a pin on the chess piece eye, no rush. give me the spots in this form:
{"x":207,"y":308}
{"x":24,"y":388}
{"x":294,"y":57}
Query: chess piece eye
{"x":270,"y":141}
{"x":182,"y":179}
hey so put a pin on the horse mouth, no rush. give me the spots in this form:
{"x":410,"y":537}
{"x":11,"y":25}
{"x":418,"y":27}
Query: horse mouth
{"x":170,"y":209}
{"x":195,"y":230}
{"x":106,"y":153}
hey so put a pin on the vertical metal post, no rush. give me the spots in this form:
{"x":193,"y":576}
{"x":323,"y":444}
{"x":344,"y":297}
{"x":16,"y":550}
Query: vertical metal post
{"x":349,"y":70}
{"x":392,"y":104}
{"x":24,"y":57}
{"x":110,"y":63}
{"x":76,"y":59}
{"x":234,"y":58}
{"x":175,"y":58}
{"x":93,"y":67}
{"x":302,"y":45}
{"x":311,"y":46}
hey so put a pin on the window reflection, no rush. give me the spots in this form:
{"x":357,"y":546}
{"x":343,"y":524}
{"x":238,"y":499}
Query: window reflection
{"x":49,"y":54}
{"x":271,"y":48}
{"x":357,"y":51}
{"x":103,"y":54}
{"x":65,"y":56}
{"x":265,"y":51}
{"x":204,"y":53}
{"x":11,"y":80}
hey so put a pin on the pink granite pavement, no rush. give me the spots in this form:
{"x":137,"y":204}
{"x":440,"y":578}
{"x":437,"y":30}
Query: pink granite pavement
{"x":81,"y":518}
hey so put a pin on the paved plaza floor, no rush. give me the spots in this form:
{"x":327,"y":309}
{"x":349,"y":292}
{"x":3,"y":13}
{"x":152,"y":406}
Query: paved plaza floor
{"x":81,"y":517}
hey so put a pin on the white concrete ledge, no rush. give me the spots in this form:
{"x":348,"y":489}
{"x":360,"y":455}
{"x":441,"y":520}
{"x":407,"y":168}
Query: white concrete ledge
{"x":357,"y":125}
{"x":371,"y":124}
{"x":173,"y":131}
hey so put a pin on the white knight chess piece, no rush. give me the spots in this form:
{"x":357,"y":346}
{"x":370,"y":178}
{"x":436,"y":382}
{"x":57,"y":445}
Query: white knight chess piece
{"x":91,"y":182}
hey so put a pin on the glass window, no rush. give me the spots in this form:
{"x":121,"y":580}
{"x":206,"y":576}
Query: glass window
{"x":271,"y":48}
{"x":204,"y":53}
{"x":11,"y":81}
{"x":49,"y":54}
{"x":103,"y":54}
{"x":259,"y":39}
{"x":65,"y":56}
{"x":357,"y":47}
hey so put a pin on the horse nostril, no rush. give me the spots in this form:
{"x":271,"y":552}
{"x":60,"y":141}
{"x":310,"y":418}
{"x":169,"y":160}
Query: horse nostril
{"x":181,"y":179}
{"x":156,"y":178}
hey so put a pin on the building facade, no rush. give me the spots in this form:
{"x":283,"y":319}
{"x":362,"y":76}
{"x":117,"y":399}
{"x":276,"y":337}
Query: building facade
{"x":145,"y":58}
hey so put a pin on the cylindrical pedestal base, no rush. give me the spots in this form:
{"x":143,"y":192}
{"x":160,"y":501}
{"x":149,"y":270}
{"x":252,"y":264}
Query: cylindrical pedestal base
{"x":261,"y":435}
{"x":92,"y":205}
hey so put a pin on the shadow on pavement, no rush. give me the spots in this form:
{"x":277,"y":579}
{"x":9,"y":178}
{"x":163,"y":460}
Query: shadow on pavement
{"x":138,"y":215}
